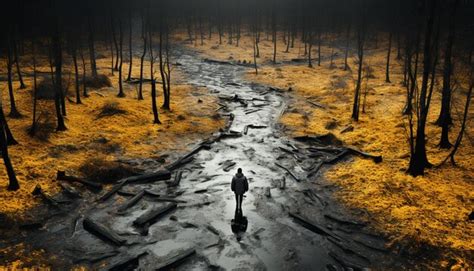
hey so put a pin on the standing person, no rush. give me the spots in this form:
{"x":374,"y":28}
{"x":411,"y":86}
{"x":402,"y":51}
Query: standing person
{"x":239,"y":185}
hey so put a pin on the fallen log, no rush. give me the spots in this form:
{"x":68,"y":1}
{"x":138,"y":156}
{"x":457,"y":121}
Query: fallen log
{"x":345,"y":263}
{"x":131,"y":202}
{"x":348,"y":250}
{"x":102,"y":232}
{"x":153,"y":214}
{"x":344,"y":221}
{"x":175,"y":260}
{"x":213,"y":61}
{"x":61,"y":175}
{"x":124,"y":261}
{"x":187,"y":158}
{"x":375,"y":158}
{"x":289,"y":172}
{"x":160,"y":175}
{"x":379,"y":249}
{"x":39,"y":192}
{"x":312,"y":226}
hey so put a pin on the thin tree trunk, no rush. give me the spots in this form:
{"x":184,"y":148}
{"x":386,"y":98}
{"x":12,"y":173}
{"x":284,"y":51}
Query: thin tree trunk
{"x":13,"y":182}
{"x":121,"y":93}
{"x":130,"y":48}
{"x":14,"y":113}
{"x":387,"y":68}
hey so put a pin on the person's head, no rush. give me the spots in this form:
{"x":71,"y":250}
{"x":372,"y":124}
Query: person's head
{"x":239,"y":170}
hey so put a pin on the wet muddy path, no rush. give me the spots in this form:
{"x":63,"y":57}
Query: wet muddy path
{"x":277,"y":169}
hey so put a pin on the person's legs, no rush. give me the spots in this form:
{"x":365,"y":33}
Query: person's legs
{"x":240,"y":201}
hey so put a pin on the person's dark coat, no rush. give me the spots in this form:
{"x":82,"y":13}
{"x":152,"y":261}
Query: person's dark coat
{"x":239,"y":184}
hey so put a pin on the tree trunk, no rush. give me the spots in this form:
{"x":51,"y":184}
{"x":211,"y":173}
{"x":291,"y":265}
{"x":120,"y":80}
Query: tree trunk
{"x":17,"y":61}
{"x":121,"y":94}
{"x":130,"y":48}
{"x":156,"y":119}
{"x":13,"y":182}
{"x":445,"y":119}
{"x":387,"y":69}
{"x":14,"y":113}
{"x":32,"y":130}
{"x":76,"y":75}
{"x":92,"y":48}
{"x":57,"y":52}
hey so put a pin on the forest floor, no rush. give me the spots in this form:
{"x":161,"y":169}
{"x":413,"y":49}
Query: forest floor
{"x":420,"y":215}
{"x":105,"y":133}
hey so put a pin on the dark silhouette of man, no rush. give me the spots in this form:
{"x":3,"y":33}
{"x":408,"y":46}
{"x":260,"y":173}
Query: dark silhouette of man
{"x":239,"y":185}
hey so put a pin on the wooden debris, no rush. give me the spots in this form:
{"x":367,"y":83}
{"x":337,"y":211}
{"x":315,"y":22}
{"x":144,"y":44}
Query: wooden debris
{"x":345,"y":263}
{"x":347,"y":250}
{"x":177,"y":179}
{"x":312,"y":226}
{"x":252,"y":111}
{"x":131,"y":202}
{"x":348,"y":128}
{"x":213,"y":61}
{"x":282,"y":183}
{"x":213,"y":230}
{"x":187,"y":158}
{"x":124,"y":261}
{"x":316,"y":104}
{"x":160,"y":175}
{"x":39,"y":192}
{"x":160,"y":198}
{"x":175,"y":260}
{"x":153,"y":214}
{"x":375,"y":158}
{"x":344,"y":221}
{"x":268,"y":193}
{"x":289,"y":172}
{"x":71,"y":191}
{"x":247,"y":127}
{"x":61,"y":175}
{"x":102,"y":232}
{"x":379,"y":249}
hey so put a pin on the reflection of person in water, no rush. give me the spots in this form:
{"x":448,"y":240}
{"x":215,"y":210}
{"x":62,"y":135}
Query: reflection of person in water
{"x":239,"y":185}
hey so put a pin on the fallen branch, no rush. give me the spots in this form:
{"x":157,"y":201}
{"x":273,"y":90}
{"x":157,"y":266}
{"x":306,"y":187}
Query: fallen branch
{"x":289,"y":172}
{"x":375,"y":158}
{"x":344,"y":221}
{"x":160,"y":198}
{"x":102,"y":232}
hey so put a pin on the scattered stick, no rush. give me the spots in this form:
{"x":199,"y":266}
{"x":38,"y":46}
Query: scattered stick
{"x":289,"y":172}
{"x":102,"y":232}
{"x":316,"y":104}
{"x":375,"y":158}
{"x":252,"y":111}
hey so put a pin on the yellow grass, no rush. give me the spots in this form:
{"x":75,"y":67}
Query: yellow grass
{"x":433,"y":208}
{"x":130,"y":135}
